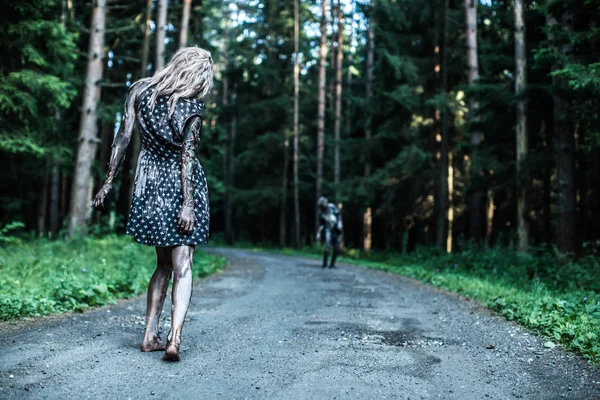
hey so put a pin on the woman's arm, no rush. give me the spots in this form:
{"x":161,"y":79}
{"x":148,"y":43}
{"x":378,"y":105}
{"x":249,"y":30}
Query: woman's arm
{"x":187,"y":218}
{"x":119,"y":146}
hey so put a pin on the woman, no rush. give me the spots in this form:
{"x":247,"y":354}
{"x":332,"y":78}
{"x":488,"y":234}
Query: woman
{"x":170,"y":209}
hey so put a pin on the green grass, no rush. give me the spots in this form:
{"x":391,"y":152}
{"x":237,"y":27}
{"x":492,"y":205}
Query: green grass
{"x":41,"y":277}
{"x":558,"y":300}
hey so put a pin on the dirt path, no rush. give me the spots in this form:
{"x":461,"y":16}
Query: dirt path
{"x":276,"y":327}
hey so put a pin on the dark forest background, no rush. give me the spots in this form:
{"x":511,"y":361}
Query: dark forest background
{"x":442,"y":122}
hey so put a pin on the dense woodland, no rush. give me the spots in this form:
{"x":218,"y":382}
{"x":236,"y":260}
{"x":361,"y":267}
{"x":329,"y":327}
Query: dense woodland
{"x":437,"y":122}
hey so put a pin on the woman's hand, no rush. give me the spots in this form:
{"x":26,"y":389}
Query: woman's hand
{"x":186,"y":220}
{"x":101,"y":196}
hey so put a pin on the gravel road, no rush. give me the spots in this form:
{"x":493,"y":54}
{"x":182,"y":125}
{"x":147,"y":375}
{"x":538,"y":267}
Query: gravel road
{"x":277,"y":327}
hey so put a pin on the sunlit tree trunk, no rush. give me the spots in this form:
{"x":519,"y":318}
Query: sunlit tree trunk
{"x":296,"y":123}
{"x":161,"y":33}
{"x":284,"y":190}
{"x":564,"y":153}
{"x":321,"y":108}
{"x":70,"y":9}
{"x":520,"y":84}
{"x":442,"y":230}
{"x":477,"y":203}
{"x":185,"y":23}
{"x":86,"y":151}
{"x":338,"y":99}
{"x":332,"y":59}
{"x":367,"y":215}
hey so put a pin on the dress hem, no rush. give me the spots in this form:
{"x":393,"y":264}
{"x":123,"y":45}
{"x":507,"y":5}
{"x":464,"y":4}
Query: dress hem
{"x":154,"y":244}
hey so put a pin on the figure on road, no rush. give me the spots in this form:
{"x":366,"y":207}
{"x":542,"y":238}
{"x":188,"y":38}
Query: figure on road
{"x":330,"y":230}
{"x":170,"y":208}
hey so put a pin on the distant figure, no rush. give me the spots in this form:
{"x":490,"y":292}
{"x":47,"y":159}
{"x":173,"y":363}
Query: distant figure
{"x":170,"y":209}
{"x":330,"y":230}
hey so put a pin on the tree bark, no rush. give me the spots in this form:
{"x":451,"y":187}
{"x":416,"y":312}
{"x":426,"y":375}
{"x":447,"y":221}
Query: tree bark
{"x":230,"y":170}
{"x":146,"y":43}
{"x":338,"y":100}
{"x":185,"y":23}
{"x":564,"y":154}
{"x":321,"y":108}
{"x":332,"y":58}
{"x":43,"y":206}
{"x":227,"y":173}
{"x":521,"y":129}
{"x":477,"y":223}
{"x":367,"y":216}
{"x":296,"y":123}
{"x":161,"y":33}
{"x":54,"y":197}
{"x":443,"y":200}
{"x":284,"y":190}
{"x":54,"y":210}
{"x":86,"y":151}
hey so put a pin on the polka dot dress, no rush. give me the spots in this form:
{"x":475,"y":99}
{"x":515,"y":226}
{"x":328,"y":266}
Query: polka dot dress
{"x":158,"y":196}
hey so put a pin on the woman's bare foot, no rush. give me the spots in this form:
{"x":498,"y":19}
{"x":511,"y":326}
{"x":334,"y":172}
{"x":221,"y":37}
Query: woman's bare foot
{"x":171,"y":353}
{"x":153,"y":345}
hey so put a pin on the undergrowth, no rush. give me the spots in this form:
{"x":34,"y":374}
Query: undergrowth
{"x":559,"y":300}
{"x":41,"y":277}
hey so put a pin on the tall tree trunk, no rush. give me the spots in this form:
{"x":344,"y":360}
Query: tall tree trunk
{"x":54,"y":197}
{"x":227,"y":173}
{"x":284,"y":190}
{"x":296,"y":123}
{"x":185,"y":23}
{"x":54,"y":209}
{"x":564,"y":154}
{"x":136,"y":143}
{"x":161,"y":33}
{"x":43,"y":206}
{"x":443,"y":200}
{"x":477,"y":225}
{"x":450,"y":201}
{"x":520,"y":84}
{"x":86,"y":151}
{"x":338,"y":99}
{"x":230,"y":169}
{"x":367,"y":216}
{"x":321,"y":108}
{"x":71,"y":9}
{"x":146,"y":42}
{"x":332,"y":57}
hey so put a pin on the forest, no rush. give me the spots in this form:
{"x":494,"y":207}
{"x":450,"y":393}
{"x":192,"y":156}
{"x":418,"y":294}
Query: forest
{"x":459,"y":139}
{"x":441,"y":123}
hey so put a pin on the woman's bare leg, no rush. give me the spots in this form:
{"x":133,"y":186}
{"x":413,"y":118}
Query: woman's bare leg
{"x":182,"y":257}
{"x":157,"y":291}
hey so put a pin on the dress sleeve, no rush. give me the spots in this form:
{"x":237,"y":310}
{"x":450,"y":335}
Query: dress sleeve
{"x":184,"y":111}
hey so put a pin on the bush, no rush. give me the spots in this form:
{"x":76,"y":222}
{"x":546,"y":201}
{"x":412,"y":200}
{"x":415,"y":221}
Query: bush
{"x":42,"y":277}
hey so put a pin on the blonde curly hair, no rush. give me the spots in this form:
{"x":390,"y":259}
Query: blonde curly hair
{"x":188,"y":74}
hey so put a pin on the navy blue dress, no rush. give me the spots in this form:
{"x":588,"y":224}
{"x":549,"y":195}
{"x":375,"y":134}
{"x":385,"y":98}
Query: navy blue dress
{"x":157,"y":195}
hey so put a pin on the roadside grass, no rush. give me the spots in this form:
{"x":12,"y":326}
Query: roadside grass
{"x":40,"y":277}
{"x":558,"y":300}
